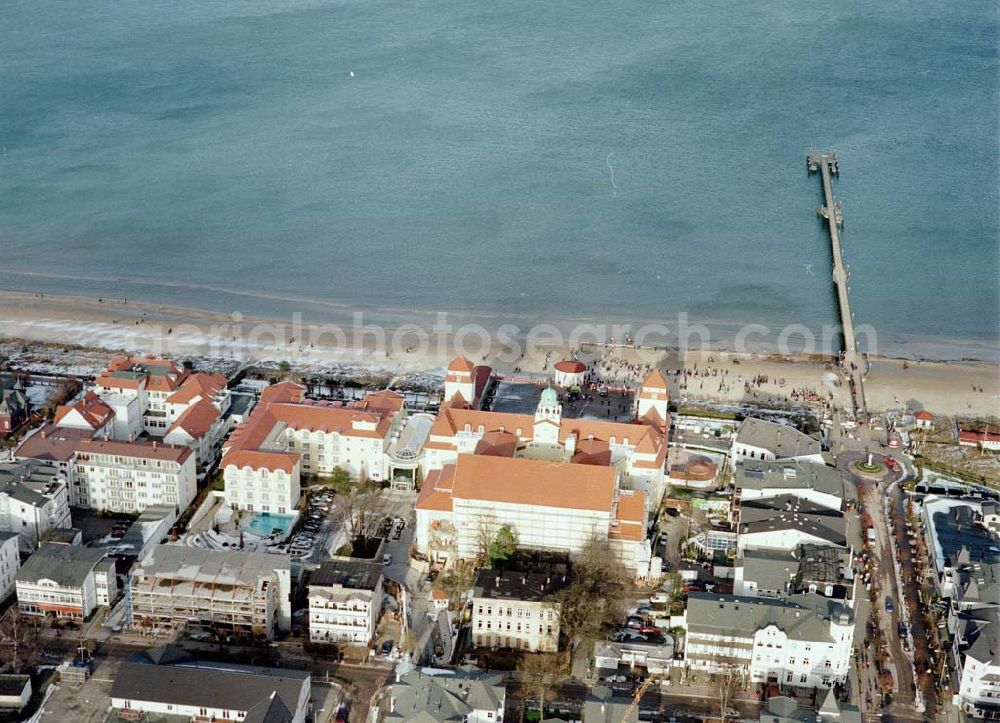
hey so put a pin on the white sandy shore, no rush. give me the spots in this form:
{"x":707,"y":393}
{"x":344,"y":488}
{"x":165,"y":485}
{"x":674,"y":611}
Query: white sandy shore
{"x":943,"y":387}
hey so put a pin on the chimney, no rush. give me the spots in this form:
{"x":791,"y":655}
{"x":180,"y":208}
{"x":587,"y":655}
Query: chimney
{"x":498,"y":581}
{"x":154,"y":444}
{"x":131,"y":436}
{"x":44,"y":434}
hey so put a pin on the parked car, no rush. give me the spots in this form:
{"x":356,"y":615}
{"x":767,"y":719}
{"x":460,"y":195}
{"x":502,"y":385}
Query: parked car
{"x":387,"y":559}
{"x":634,"y":622}
{"x":663,"y":538}
{"x":629,"y":636}
{"x":659,"y":598}
{"x":386,"y":647}
{"x":342,"y":712}
{"x":665,"y":566}
{"x":888,"y":605}
{"x":649,"y":630}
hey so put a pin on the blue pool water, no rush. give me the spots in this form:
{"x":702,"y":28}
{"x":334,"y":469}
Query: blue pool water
{"x":263,"y":523}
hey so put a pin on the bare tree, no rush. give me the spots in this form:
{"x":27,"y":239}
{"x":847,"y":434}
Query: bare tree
{"x":540,"y":671}
{"x":20,"y":646}
{"x":359,"y":509}
{"x":727,"y":682}
{"x":457,"y":580}
{"x":595,"y":597}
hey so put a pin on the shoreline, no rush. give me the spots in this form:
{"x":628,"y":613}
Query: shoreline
{"x":716,"y":375}
{"x":264,"y":307}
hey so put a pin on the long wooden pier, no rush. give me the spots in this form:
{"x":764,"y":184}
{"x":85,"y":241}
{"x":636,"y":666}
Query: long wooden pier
{"x":851,"y":362}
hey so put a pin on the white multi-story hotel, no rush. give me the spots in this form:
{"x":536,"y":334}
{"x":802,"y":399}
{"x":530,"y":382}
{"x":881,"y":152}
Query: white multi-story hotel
{"x":514,"y":609}
{"x":223,"y":591}
{"x":62,"y":580}
{"x":977,"y":657}
{"x":287,"y":436}
{"x":637,"y":450}
{"x":345,"y":600}
{"x":34,"y":499}
{"x":155,"y":396}
{"x":557,"y":506}
{"x":801,"y":641}
{"x":130,"y":476}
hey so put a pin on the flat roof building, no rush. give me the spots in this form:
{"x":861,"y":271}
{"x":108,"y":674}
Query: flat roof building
{"x":222,"y":591}
{"x":165,"y":682}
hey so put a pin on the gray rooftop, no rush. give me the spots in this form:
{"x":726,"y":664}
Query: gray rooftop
{"x":786,"y":512}
{"x":800,"y":617}
{"x":602,"y":705}
{"x":780,"y":709}
{"x":781,"y":439}
{"x":418,"y":696}
{"x":770,"y":569}
{"x":517,"y":585}
{"x":350,"y":574}
{"x":193,"y":564}
{"x":215,"y":685}
{"x":29,"y":481}
{"x":979,"y":634}
{"x":65,"y":565}
{"x":761,"y":475}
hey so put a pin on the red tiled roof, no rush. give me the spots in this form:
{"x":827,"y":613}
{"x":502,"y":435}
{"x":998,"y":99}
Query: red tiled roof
{"x":924,"y":414}
{"x":435,"y":492}
{"x":196,"y":419}
{"x":571,"y":366}
{"x":461,"y":364}
{"x":630,"y":517}
{"x":655,"y":380}
{"x":200,"y":384}
{"x":93,"y":410}
{"x":144,"y":450}
{"x":534,"y":482}
{"x":51,"y":444}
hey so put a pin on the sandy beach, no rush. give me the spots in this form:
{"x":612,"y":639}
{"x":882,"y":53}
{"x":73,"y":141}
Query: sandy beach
{"x":968,"y":388}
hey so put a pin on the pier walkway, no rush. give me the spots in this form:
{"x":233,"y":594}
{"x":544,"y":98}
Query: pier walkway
{"x":851,"y":362}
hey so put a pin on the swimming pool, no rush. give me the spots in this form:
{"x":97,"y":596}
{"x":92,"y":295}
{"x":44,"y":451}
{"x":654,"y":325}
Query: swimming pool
{"x":264,"y":523}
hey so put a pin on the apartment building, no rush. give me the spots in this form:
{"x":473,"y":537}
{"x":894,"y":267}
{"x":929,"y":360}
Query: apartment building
{"x":10,"y":563}
{"x":168,"y":684}
{"x":637,"y":450}
{"x":34,"y":499}
{"x":345,"y":601}
{"x":221,"y":591}
{"x":516,"y":609}
{"x":802,"y":640}
{"x":129,"y":476}
{"x":62,"y":580}
{"x":551,"y":506}
{"x":977,"y":659}
{"x":287,"y":436}
{"x":463,"y":695}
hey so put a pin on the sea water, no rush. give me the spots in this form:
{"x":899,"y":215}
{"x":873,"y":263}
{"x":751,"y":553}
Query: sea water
{"x":597,"y":160}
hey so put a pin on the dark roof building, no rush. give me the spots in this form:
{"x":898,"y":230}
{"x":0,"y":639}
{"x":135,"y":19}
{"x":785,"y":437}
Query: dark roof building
{"x":210,"y":690}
